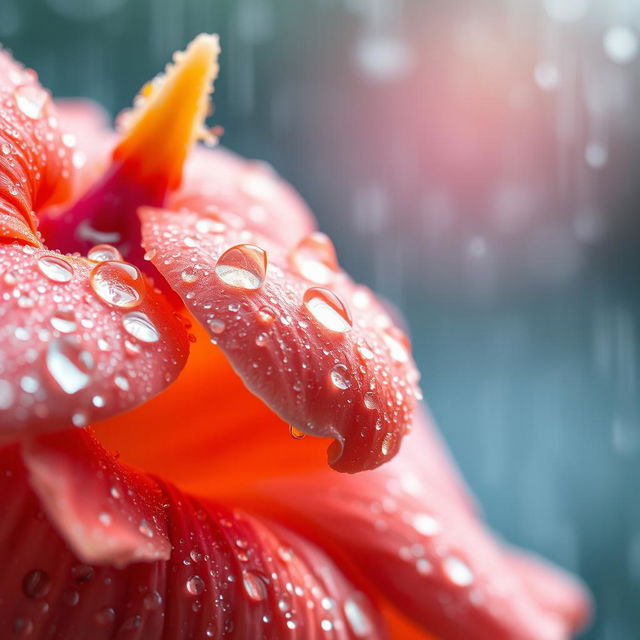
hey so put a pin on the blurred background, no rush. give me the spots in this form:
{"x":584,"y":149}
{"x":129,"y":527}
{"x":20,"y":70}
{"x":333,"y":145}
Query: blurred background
{"x":476,"y":162}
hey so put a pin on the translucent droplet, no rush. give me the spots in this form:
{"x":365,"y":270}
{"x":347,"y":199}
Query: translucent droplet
{"x":69,"y":365}
{"x":243,"y":266}
{"x":145,"y":529}
{"x":340,"y":376}
{"x":36,"y":584}
{"x":296,"y":434}
{"x":152,"y":601}
{"x":30,"y":100}
{"x":217,"y":326}
{"x":64,"y":321}
{"x":425,"y":524}
{"x":105,"y":616}
{"x":82,"y":572}
{"x":254,"y":586}
{"x":266,"y":315}
{"x":104,"y":253}
{"x":356,"y":617}
{"x":315,"y":258}
{"x":122,"y":383}
{"x":118,"y":284}
{"x":56,"y":268}
{"x":140,"y":326}
{"x":370,"y":400}
{"x":189,"y":275}
{"x":393,"y":339}
{"x":29,"y":384}
{"x":195,"y":585}
{"x":327,"y":309}
{"x":262,"y":339}
{"x":388,"y":443}
{"x":457,"y":571}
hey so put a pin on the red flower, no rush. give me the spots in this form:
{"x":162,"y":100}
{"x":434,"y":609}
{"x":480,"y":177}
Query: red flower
{"x":232,"y":530}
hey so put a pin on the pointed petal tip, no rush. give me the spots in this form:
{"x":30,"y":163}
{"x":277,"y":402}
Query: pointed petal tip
{"x":169,"y":114}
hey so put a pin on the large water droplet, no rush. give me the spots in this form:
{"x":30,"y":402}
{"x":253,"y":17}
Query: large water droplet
{"x":56,"y":268}
{"x":118,"y":283}
{"x":69,"y":365}
{"x":64,"y":320}
{"x":315,"y":258}
{"x":327,"y":309}
{"x":140,"y":326}
{"x":356,"y":617}
{"x":36,"y":584}
{"x":30,"y":100}
{"x":195,"y":585}
{"x":104,"y":253}
{"x":457,"y":570}
{"x":254,"y":585}
{"x":243,"y":266}
{"x":340,"y":376}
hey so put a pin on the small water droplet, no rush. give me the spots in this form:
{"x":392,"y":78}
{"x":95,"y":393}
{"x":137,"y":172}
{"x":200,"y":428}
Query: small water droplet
{"x":55,"y":268}
{"x":296,"y":434}
{"x":315,"y":258}
{"x":152,"y":601}
{"x":105,"y":616}
{"x":195,"y":585}
{"x":64,"y":320}
{"x":243,"y":266}
{"x":69,"y":365}
{"x":394,"y":340}
{"x":118,"y":284}
{"x":122,"y":383}
{"x":356,"y":617}
{"x":254,"y":586}
{"x":30,"y":99}
{"x":457,"y":570}
{"x":217,"y":326}
{"x":82,"y":572}
{"x":36,"y":584}
{"x":189,"y":275}
{"x":370,"y":400}
{"x":340,"y":376}
{"x":327,"y":309}
{"x":266,"y":315}
{"x":104,"y":253}
{"x":145,"y":529}
{"x":29,"y":384}
{"x":388,"y":443}
{"x":140,"y":326}
{"x":425,"y":524}
{"x":262,"y":339}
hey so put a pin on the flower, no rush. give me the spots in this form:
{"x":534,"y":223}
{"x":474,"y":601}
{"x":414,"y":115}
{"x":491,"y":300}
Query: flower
{"x":182,"y":511}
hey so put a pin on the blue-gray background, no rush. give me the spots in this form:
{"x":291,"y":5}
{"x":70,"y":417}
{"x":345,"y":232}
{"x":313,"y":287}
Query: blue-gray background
{"x":476,"y":161}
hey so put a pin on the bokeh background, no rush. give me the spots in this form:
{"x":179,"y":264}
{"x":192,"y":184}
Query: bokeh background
{"x":476,"y":161}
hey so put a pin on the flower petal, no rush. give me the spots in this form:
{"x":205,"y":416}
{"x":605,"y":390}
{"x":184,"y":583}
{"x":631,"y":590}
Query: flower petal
{"x":79,"y":340}
{"x":229,"y":573}
{"x":34,"y":163}
{"x":321,"y":351}
{"x":429,"y":554}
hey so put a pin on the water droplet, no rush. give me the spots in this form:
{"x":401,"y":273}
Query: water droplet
{"x":262,"y":339}
{"x":266,"y":315}
{"x":217,"y":326}
{"x":29,"y":384}
{"x":140,"y":326}
{"x":118,"y":283}
{"x":56,"y":268}
{"x":69,"y":365}
{"x":425,"y":524}
{"x":388,"y":443}
{"x":64,"y":320}
{"x":370,"y":400}
{"x":22,"y":627}
{"x":30,"y":99}
{"x":254,"y":586}
{"x":105,"y":616}
{"x":104,"y":253}
{"x":36,"y":584}
{"x":340,"y":376}
{"x":296,"y":433}
{"x":82,"y":572}
{"x":315,"y":258}
{"x":152,"y":601}
{"x":243,"y":266}
{"x":195,"y":585}
{"x":423,"y":566}
{"x":122,"y":383}
{"x":356,"y":617}
{"x":327,"y":309}
{"x":145,"y":529}
{"x":395,"y":343}
{"x":189,"y":275}
{"x":326,"y":625}
{"x":457,"y":571}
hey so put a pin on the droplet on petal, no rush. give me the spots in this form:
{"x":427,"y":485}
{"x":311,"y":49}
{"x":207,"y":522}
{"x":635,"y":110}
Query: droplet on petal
{"x":340,"y":377}
{"x":356,"y":617}
{"x":370,"y":400}
{"x":64,"y":321}
{"x":36,"y":584}
{"x":69,"y":365}
{"x":30,"y":100}
{"x":104,"y":253}
{"x":315,"y":258}
{"x":254,"y":586}
{"x":328,"y":309}
{"x":195,"y":585}
{"x":457,"y":571}
{"x":140,"y":326}
{"x":55,"y":268}
{"x":243,"y":266}
{"x":118,"y":284}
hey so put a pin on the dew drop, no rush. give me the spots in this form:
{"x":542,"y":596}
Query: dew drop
{"x":425,"y":524}
{"x":296,"y":434}
{"x":243,"y":266}
{"x":398,"y":351}
{"x":254,"y":586}
{"x":105,"y":616}
{"x":140,"y":326}
{"x":266,"y":315}
{"x":387,"y":443}
{"x":55,"y":268}
{"x":370,"y":400}
{"x":30,"y":100}
{"x":262,"y":339}
{"x":315,"y":258}
{"x":145,"y":529}
{"x":69,"y":365}
{"x":118,"y":283}
{"x":152,"y":601}
{"x":457,"y":570}
{"x":195,"y":585}
{"x":82,"y":572}
{"x":356,"y":617}
{"x":64,"y":320}
{"x":189,"y":275}
{"x":327,"y":309}
{"x":29,"y":384}
{"x":104,"y":253}
{"x":217,"y":326}
{"x":36,"y":584}
{"x":340,"y":376}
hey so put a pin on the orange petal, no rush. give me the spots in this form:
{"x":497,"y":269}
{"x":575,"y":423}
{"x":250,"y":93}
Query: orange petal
{"x":321,"y":351}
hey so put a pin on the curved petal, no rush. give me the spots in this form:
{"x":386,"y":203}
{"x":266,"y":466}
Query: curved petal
{"x":79,"y":340}
{"x":34,"y":163}
{"x":427,"y":553}
{"x":229,"y":573}
{"x":326,"y":358}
